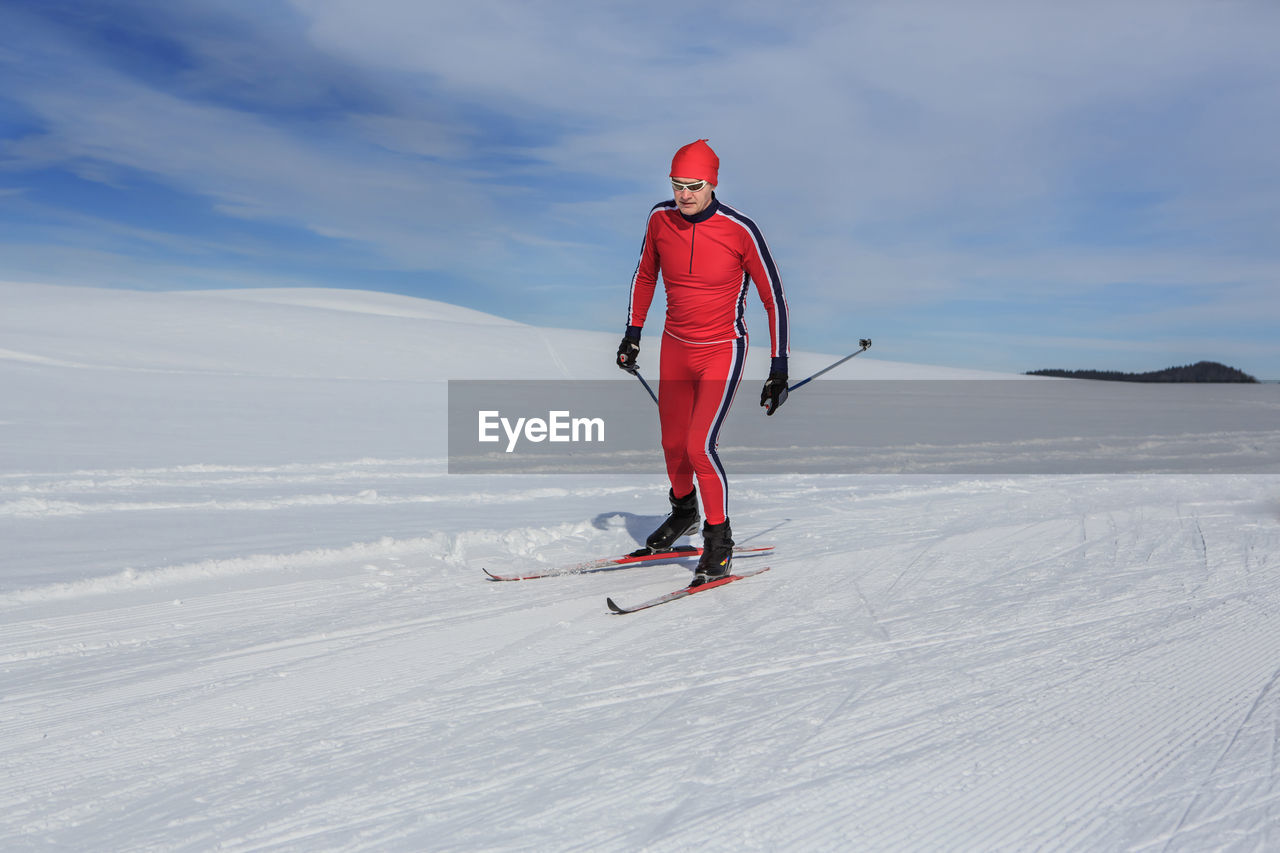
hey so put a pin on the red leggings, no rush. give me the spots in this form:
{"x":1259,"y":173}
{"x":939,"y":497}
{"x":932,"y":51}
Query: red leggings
{"x":697,"y":385}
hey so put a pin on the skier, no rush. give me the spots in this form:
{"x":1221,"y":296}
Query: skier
{"x":707,"y":253}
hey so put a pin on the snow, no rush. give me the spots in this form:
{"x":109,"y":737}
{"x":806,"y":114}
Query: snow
{"x":242,"y":607}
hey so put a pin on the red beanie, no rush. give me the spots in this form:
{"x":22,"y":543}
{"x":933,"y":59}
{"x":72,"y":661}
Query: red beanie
{"x":696,"y":160}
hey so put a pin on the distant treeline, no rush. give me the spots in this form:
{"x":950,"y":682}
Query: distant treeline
{"x":1201,"y":371}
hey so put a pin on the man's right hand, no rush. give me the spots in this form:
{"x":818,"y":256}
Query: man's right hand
{"x":627,"y":352}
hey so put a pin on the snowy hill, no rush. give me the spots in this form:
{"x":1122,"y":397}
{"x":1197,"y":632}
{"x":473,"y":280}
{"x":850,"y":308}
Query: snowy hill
{"x":328,"y":334}
{"x":242,"y":606}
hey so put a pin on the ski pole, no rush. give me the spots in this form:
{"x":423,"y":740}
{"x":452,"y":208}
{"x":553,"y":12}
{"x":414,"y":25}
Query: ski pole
{"x":865,"y":344}
{"x":646,"y":386}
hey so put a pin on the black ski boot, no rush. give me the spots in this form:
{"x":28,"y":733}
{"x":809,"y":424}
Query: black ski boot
{"x":717,"y":553}
{"x":682,"y":521}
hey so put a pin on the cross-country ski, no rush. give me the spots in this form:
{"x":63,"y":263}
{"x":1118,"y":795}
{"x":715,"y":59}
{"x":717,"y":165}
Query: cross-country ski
{"x":684,"y":592}
{"x":608,"y":564}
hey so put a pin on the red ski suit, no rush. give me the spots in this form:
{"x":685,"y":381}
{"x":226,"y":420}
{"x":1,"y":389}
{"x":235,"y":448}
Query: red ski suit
{"x":706,"y":261}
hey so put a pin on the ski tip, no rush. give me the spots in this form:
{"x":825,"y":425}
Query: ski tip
{"x":615,"y":608}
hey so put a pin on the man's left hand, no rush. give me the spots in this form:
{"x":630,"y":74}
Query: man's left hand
{"x":774,"y":393}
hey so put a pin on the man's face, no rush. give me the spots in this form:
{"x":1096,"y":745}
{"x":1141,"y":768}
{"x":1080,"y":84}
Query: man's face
{"x":691,"y":201}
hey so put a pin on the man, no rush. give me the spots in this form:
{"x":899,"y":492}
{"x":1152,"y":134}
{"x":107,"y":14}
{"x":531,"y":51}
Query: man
{"x":707,"y":253}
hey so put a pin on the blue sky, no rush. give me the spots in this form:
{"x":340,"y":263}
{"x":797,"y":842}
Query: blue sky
{"x":1005,"y":185}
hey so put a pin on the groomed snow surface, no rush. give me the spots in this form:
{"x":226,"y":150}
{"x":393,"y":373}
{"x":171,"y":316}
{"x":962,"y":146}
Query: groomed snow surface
{"x":242,"y":608}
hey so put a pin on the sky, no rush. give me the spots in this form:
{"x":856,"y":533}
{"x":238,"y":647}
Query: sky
{"x":997,"y":185}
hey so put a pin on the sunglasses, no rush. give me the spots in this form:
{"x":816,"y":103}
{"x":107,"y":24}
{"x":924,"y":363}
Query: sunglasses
{"x":692,"y":186}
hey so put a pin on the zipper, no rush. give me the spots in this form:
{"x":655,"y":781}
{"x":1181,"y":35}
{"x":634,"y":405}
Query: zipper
{"x":692,"y":236}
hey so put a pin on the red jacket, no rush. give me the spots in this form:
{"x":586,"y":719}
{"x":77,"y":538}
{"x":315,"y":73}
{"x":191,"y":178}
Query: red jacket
{"x":706,"y":261}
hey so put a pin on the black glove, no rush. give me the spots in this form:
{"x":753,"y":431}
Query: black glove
{"x":627,"y":352}
{"x":774,"y":393}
